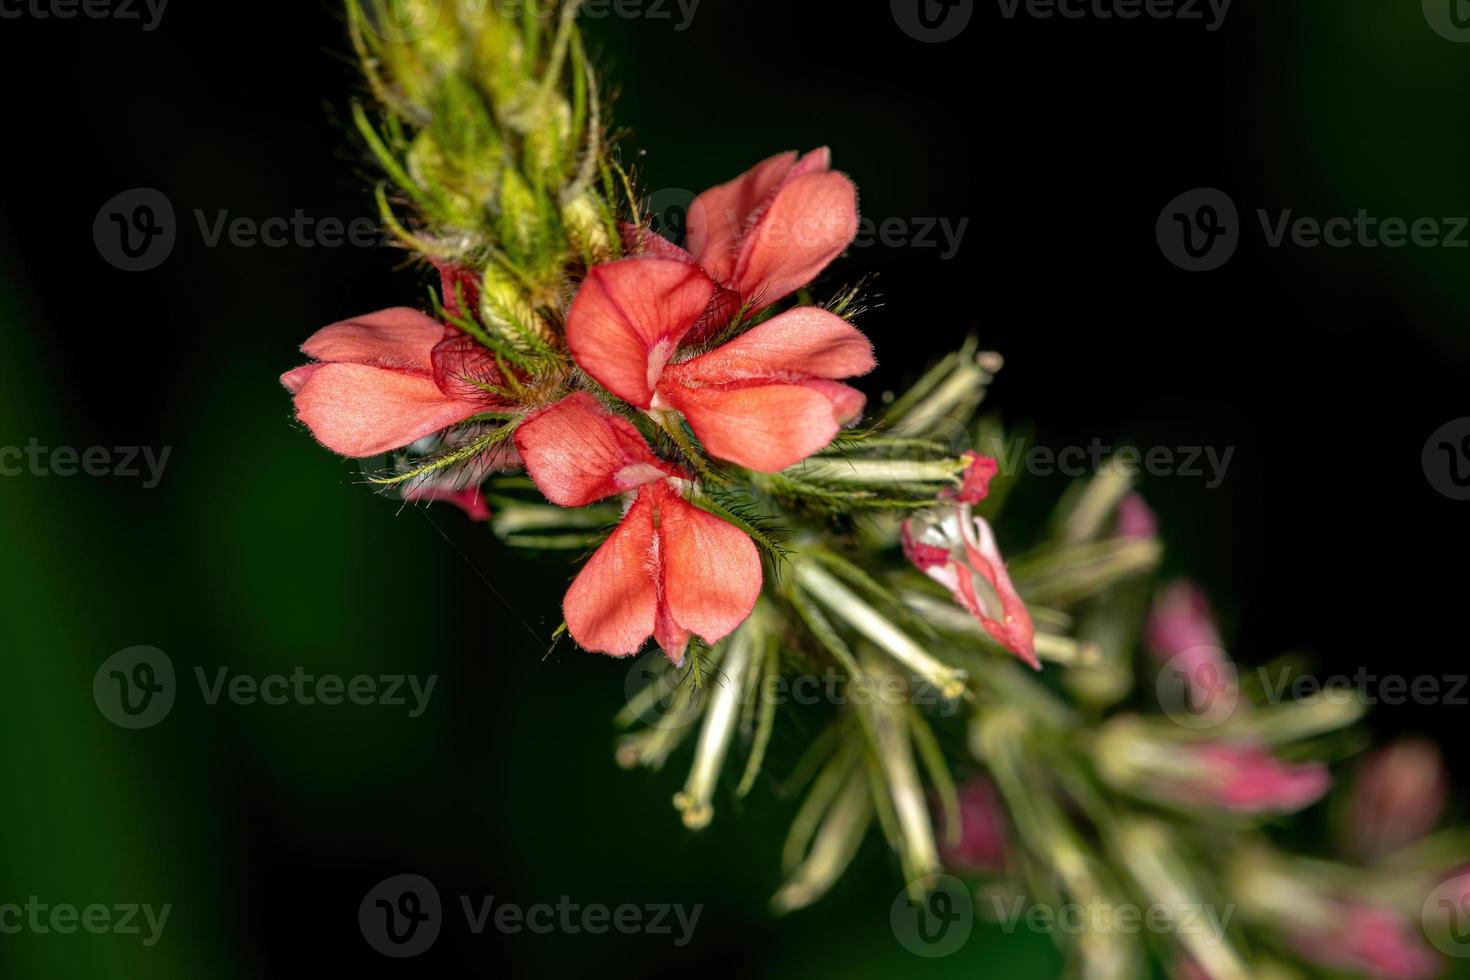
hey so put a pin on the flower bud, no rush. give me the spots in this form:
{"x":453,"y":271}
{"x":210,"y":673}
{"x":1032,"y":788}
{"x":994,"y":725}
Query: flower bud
{"x":1397,"y":798}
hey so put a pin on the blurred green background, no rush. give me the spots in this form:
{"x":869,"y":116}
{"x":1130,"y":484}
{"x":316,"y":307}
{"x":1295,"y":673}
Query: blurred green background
{"x":264,"y":826}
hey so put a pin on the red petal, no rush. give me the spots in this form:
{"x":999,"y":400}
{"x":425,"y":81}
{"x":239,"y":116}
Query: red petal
{"x":719,"y":217}
{"x":764,"y":427}
{"x":462,"y":365}
{"x":611,"y":606}
{"x":801,"y":343}
{"x":578,"y":452}
{"x":711,"y":569}
{"x":978,"y":474}
{"x":454,"y":280}
{"x":397,"y":338}
{"x":630,"y":316}
{"x":361,"y":411}
{"x":645,"y":242}
{"x":811,"y":221}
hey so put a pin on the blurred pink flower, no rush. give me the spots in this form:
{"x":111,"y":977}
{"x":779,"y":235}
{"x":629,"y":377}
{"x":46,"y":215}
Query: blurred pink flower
{"x":1372,"y":940}
{"x":1398,"y":797}
{"x":1135,"y":518}
{"x":983,"y":838}
{"x":1246,"y":778}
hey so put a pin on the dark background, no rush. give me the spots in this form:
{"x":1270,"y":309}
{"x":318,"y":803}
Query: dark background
{"x":1325,"y":369}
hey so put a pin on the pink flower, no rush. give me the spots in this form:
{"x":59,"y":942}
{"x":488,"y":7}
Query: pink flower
{"x":763,"y":235}
{"x":1246,"y":778}
{"x":1181,"y":620}
{"x":766,"y":400}
{"x":1368,"y":939}
{"x":1135,"y":518}
{"x":958,"y":550}
{"x":388,"y":379}
{"x":983,"y":838}
{"x":470,"y":500}
{"x":1398,"y":797}
{"x":670,"y":570}
{"x":1181,"y":634}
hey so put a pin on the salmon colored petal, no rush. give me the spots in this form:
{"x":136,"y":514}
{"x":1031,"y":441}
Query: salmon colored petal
{"x":578,"y":452}
{"x":719,"y":217}
{"x":672,"y":638}
{"x":764,"y":427}
{"x":611,"y":606}
{"x":711,"y":569}
{"x":296,"y":378}
{"x":806,"y":342}
{"x":638,"y":240}
{"x":360,"y":411}
{"x":397,"y":338}
{"x":465,"y":369}
{"x":811,"y":221}
{"x":630,"y":316}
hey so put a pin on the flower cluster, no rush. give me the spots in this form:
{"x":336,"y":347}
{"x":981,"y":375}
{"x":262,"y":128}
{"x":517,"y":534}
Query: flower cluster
{"x":579,"y":373}
{"x":641,"y":333}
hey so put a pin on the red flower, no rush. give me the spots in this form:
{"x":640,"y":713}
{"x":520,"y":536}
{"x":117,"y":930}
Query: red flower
{"x":766,"y":400}
{"x":1247,"y":778}
{"x":388,"y":379}
{"x":670,"y":570}
{"x":765,"y":234}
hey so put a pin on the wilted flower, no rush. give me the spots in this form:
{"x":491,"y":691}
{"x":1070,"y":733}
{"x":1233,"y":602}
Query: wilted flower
{"x":958,"y":550}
